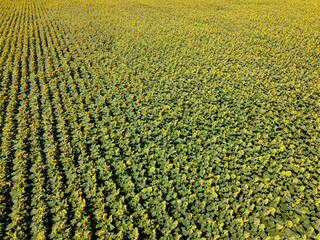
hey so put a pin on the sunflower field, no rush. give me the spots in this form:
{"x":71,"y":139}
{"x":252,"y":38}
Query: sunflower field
{"x":159,"y":119}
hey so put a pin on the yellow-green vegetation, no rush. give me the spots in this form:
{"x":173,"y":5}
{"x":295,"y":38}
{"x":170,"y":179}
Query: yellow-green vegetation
{"x":159,"y":119}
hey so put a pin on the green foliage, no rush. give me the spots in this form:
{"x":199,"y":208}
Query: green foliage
{"x":159,"y":119}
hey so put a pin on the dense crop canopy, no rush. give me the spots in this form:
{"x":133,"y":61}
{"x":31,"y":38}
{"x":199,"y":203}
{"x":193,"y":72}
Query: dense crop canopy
{"x":160,"y":119}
